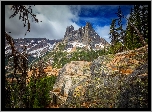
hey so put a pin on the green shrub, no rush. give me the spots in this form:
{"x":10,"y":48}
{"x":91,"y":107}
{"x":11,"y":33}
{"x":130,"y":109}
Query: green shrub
{"x":61,"y":58}
{"x":38,"y":92}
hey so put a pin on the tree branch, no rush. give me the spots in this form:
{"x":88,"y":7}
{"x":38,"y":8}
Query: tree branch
{"x":34,"y":16}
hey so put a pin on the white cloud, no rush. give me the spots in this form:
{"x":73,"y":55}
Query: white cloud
{"x":103,"y":32}
{"x":128,"y":15}
{"x":55,"y":19}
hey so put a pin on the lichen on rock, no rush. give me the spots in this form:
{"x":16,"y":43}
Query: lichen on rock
{"x":110,"y":81}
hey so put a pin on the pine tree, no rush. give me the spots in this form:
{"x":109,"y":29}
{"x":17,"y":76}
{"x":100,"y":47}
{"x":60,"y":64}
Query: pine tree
{"x":129,"y":40}
{"x":113,"y":33}
{"x":117,"y":33}
{"x":137,"y":29}
{"x":136,"y":33}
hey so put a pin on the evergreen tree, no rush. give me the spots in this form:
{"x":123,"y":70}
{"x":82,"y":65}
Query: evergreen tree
{"x":137,"y":28}
{"x":136,"y":33}
{"x":117,"y":33}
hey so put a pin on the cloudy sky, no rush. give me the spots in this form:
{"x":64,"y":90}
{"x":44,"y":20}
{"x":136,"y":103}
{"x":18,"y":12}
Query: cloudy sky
{"x":55,"y":19}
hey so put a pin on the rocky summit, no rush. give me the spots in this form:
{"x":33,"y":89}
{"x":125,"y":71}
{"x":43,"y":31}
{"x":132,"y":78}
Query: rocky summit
{"x":110,"y":81}
{"x":83,"y":37}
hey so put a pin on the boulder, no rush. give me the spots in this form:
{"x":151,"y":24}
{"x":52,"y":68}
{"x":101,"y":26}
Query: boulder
{"x":70,"y":76}
{"x":110,"y":81}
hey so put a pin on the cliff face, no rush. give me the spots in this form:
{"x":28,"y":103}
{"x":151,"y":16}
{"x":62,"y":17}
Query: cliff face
{"x":85,"y":35}
{"x":110,"y":81}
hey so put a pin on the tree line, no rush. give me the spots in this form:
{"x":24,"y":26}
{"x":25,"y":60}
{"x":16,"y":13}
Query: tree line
{"x":136,"y":33}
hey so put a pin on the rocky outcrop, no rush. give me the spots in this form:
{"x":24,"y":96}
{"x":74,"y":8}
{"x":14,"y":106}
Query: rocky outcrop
{"x":110,"y":81}
{"x":70,"y":76}
{"x":85,"y":35}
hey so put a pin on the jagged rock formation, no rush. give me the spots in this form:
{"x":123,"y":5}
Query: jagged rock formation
{"x":114,"y":81}
{"x":85,"y":35}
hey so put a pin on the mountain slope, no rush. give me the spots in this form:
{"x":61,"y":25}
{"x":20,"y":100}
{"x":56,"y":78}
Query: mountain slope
{"x":110,"y":81}
{"x":35,"y":46}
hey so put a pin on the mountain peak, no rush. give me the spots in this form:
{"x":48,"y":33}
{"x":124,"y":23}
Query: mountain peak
{"x":85,"y":35}
{"x":88,"y":25}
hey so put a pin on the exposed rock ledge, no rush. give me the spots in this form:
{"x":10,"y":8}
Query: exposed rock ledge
{"x":104,"y":82}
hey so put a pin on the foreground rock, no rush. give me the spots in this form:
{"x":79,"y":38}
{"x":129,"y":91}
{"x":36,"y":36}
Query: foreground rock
{"x":69,"y":78}
{"x":111,"y":81}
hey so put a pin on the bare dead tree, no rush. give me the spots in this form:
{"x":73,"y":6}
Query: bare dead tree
{"x":20,"y":62}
